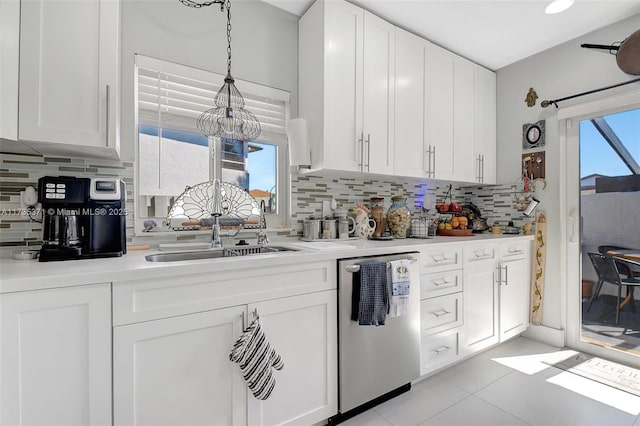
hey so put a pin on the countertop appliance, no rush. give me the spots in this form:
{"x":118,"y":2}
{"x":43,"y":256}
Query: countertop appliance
{"x":375,"y":363}
{"x":82,"y":217}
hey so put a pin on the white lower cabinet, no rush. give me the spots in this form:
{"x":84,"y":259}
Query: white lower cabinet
{"x":55,"y":356}
{"x":481,"y":297}
{"x":303,"y":330}
{"x":441,"y":306}
{"x":496,"y":292}
{"x":515,"y":279}
{"x":176,"y":371}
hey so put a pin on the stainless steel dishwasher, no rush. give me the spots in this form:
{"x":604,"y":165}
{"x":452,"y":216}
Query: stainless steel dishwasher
{"x":375,"y":363}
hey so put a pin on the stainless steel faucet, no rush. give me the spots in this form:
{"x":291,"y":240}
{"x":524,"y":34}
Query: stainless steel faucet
{"x":216,"y":241}
{"x":263,"y":238}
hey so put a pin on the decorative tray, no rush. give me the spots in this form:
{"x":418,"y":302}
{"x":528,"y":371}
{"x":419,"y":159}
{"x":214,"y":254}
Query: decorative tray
{"x":455,"y":232}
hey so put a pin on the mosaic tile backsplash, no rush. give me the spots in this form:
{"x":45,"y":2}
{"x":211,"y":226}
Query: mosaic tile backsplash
{"x":17,"y":172}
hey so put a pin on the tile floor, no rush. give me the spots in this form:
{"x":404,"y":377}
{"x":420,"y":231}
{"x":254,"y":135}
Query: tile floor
{"x":508,"y":385}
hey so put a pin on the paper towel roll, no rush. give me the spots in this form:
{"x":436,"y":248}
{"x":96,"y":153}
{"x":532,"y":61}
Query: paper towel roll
{"x":299,"y":149}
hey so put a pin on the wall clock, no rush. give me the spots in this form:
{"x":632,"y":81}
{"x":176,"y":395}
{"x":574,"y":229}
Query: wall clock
{"x":533,"y":135}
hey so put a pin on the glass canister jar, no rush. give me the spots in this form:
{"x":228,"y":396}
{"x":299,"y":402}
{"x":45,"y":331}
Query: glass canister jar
{"x":399,"y":216}
{"x":377,"y":213}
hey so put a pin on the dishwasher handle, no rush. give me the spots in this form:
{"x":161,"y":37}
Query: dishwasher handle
{"x":356,"y":267}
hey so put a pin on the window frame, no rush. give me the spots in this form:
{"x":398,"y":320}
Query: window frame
{"x":275,"y":221}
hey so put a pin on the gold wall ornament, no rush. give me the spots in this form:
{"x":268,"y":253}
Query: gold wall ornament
{"x":531,"y":97}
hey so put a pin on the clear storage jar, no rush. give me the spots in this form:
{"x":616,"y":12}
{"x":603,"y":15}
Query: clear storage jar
{"x":399,"y":216}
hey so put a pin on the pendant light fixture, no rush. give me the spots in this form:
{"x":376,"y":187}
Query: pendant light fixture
{"x":228,"y":118}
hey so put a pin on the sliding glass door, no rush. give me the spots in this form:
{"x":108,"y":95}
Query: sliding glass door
{"x":602,"y":180}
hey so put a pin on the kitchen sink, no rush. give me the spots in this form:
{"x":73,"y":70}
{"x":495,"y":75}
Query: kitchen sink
{"x":216,"y":253}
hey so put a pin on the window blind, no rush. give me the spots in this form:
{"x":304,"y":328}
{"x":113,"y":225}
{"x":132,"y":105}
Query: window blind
{"x":172,"y":96}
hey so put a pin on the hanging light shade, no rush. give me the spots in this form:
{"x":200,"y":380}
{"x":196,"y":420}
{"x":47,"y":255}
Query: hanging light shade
{"x":228,"y":118}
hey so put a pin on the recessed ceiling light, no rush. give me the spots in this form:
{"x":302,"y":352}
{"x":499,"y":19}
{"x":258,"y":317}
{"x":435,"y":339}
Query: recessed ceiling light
{"x":558,"y":6}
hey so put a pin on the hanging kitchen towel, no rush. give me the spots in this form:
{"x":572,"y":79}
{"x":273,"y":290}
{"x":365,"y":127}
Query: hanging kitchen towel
{"x":400,"y":287}
{"x":373,"y":300}
{"x":256,"y":358}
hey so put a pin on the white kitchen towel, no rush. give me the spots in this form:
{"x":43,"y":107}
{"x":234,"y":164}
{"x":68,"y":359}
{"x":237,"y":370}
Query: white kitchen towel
{"x":400,"y":287}
{"x":256,"y":358}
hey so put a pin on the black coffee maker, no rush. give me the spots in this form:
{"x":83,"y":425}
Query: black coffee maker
{"x":82,"y":218}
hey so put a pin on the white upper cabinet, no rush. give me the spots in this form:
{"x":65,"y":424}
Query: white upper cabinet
{"x":346,"y":87}
{"x":10,"y":50}
{"x":449,"y":115}
{"x":439,"y":80}
{"x":69,"y":72}
{"x":411,"y":157}
{"x":485,"y":143}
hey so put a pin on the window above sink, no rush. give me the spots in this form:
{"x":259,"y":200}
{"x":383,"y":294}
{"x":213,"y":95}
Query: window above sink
{"x":172,"y":155}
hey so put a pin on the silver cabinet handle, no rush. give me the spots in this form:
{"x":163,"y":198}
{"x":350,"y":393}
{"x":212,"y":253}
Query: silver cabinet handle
{"x":440,"y":313}
{"x":244,"y":324}
{"x":361,"y":145}
{"x":433,"y":170}
{"x":368,"y":151}
{"x":441,"y":350}
{"x":440,"y":258}
{"x":108,"y":108}
{"x":515,"y":251}
{"x":482,"y":168}
{"x":356,"y":267}
{"x":426,"y":160}
{"x":441,"y":282}
{"x":482,"y":254}
{"x":478,"y":168}
{"x":498,"y":278}
{"x":506,"y":271}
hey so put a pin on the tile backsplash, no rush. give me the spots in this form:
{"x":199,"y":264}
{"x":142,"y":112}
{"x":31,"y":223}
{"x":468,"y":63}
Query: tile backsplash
{"x":307,"y":193}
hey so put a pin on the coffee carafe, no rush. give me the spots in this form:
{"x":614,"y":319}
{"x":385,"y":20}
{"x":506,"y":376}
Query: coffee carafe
{"x":62,"y":228}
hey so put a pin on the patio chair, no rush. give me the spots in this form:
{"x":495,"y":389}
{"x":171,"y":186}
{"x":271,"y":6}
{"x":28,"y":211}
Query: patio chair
{"x":607,"y":270}
{"x":623,"y":268}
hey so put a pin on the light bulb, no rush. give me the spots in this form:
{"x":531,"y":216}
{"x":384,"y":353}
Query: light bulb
{"x":227,"y":122}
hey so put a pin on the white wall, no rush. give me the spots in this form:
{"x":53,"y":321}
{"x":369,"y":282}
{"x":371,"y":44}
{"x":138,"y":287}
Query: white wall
{"x":264,"y":42}
{"x":555,"y":73}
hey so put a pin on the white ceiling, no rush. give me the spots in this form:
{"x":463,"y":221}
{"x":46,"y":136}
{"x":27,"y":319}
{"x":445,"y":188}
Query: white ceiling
{"x":493,"y":33}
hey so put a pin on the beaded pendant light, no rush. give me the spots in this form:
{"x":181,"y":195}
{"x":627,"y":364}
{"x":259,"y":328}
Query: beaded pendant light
{"x":228,"y":118}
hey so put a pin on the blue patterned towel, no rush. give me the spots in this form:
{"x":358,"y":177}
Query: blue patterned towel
{"x":374,"y":293}
{"x":400,"y":287}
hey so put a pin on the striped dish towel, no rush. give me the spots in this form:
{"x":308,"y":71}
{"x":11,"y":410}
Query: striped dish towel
{"x":256,"y":358}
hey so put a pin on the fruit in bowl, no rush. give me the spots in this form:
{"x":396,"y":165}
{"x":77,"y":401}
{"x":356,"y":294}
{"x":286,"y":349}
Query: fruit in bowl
{"x":455,"y":207}
{"x":442,"y":208}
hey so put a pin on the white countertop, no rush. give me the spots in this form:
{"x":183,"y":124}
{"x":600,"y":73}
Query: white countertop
{"x":23,"y":275}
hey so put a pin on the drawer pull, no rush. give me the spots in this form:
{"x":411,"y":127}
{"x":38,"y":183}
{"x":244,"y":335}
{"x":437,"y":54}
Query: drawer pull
{"x":440,"y":258}
{"x":442,"y":350}
{"x":481,"y":254}
{"x":441,"y":281}
{"x":440,"y":313}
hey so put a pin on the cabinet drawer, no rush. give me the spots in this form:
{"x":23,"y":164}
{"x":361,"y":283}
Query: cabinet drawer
{"x":441,"y":313}
{"x":441,"y":283}
{"x":514,"y":250}
{"x":439,"y":350}
{"x":479,"y":253}
{"x":440,"y":258}
{"x":164,"y":297}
